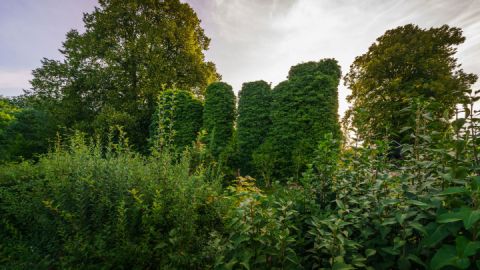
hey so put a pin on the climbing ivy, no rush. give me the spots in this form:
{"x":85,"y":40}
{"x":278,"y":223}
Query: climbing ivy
{"x":253,"y":120}
{"x":219,"y":116}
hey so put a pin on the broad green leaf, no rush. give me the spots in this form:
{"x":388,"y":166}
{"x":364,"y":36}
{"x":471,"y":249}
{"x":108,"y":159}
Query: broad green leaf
{"x":400,"y":218}
{"x":339,"y":264}
{"x":445,"y":256}
{"x":231,"y":264}
{"x":391,"y":250}
{"x":449,"y":217}
{"x":462,"y":263}
{"x":398,"y":243}
{"x":404,"y":129}
{"x":419,"y":227}
{"x":404,"y":264}
{"x":389,"y":221}
{"x":340,"y":204}
{"x":470,"y":218}
{"x":438,"y":235}
{"x":416,"y":259}
{"x":465,"y":247}
{"x":418,"y":203}
{"x":452,"y":190}
{"x":370,"y":252}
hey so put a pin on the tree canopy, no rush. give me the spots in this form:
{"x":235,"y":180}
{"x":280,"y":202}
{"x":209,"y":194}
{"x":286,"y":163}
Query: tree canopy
{"x":24,"y":132}
{"x":130,"y":51}
{"x":405,"y":65}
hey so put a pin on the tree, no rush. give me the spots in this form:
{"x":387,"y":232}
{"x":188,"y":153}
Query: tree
{"x":218,"y":116}
{"x":129,"y":52}
{"x":406,"y":65}
{"x":304,"y":110}
{"x":253,"y":121}
{"x":179,"y":115}
{"x":7,"y":111}
{"x":27,"y":135}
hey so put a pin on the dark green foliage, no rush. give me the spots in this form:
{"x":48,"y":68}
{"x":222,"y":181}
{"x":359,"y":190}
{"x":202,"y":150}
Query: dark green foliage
{"x":83,"y":208}
{"x":130,"y":51}
{"x":218,"y":116}
{"x":181,"y":111}
{"x":304,"y":109}
{"x":406,"y":64}
{"x":24,"y":132}
{"x":326,"y":203}
{"x":228,"y":160}
{"x":253,"y":121}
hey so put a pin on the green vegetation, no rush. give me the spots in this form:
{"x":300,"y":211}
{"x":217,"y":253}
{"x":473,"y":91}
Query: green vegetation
{"x":406,"y":64}
{"x":130,"y":51}
{"x":218,"y":116}
{"x":253,"y":121}
{"x":178,"y":118}
{"x":24,"y":132}
{"x":83,"y":207}
{"x":81,"y":187}
{"x":304,"y":110}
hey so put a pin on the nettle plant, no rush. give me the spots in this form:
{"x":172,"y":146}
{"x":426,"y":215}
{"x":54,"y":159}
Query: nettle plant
{"x":259,"y":230}
{"x":417,"y":212}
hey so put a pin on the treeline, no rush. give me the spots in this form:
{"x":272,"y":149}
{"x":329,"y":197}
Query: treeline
{"x":130,"y":153}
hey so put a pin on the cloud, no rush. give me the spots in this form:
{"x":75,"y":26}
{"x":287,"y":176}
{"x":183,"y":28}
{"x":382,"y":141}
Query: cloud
{"x":254,"y":40}
{"x":12,"y":82}
{"x":251,"y":39}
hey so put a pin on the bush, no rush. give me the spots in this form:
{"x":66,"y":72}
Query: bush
{"x":81,"y":207}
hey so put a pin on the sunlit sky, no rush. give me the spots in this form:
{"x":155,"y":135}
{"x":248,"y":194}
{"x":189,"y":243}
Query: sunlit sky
{"x":251,"y":39}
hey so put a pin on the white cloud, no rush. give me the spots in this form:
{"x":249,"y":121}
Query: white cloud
{"x":12,"y":82}
{"x":254,"y":40}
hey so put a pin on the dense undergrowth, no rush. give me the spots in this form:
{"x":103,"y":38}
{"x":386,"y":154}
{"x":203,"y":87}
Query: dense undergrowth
{"x":87,"y":206}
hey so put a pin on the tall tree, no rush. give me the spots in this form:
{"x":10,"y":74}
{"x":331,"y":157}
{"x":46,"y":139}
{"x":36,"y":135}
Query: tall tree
{"x":404,"y":65}
{"x":178,"y":118}
{"x":304,"y":110}
{"x":219,"y":116}
{"x":129,"y":52}
{"x":253,"y":121}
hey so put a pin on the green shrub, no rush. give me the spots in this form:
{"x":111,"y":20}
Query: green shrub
{"x":80,"y":207}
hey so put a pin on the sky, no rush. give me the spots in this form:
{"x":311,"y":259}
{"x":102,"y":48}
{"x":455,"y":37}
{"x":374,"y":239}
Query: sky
{"x":250,"y":39}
